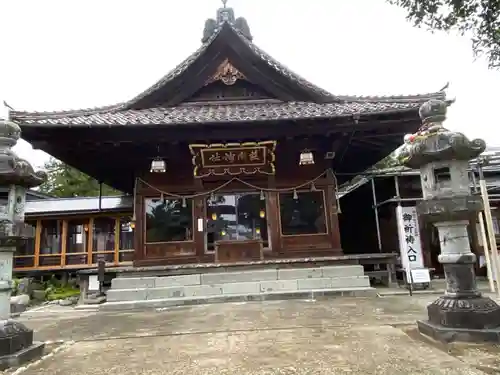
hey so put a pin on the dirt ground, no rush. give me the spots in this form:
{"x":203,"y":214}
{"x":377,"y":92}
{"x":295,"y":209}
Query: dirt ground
{"x":335,"y":336}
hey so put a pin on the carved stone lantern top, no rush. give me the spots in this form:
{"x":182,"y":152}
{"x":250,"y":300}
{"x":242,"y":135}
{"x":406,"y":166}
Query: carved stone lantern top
{"x":433,"y":111}
{"x":434,"y":143}
{"x":13,"y":169}
{"x":442,"y":156}
{"x":10,"y":133}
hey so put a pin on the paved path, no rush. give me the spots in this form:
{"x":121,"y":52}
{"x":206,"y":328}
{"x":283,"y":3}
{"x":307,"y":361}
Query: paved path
{"x":336,"y":336}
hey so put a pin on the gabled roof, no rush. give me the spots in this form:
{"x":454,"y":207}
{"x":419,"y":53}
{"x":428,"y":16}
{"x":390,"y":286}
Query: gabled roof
{"x":226,"y":38}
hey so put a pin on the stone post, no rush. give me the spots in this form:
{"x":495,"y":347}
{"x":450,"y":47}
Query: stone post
{"x":462,"y":313}
{"x":16,"y":340}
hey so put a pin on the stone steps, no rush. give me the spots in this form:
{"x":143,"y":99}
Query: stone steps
{"x":163,"y":291}
{"x":268,"y":296}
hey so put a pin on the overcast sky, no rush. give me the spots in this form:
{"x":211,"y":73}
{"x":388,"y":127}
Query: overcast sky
{"x":60,"y":54}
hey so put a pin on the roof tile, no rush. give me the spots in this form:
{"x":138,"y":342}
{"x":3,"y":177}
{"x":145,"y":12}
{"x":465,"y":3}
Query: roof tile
{"x":223,"y":113}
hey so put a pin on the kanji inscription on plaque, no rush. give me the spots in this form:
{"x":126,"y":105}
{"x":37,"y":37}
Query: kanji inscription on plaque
{"x":233,"y":158}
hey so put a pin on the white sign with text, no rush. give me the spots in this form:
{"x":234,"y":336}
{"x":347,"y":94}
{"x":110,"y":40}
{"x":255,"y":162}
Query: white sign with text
{"x":410,"y":244}
{"x":420,"y":276}
{"x":93,"y":283}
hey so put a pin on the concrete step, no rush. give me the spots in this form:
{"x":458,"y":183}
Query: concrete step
{"x":237,"y":277}
{"x":250,"y":287}
{"x":265,"y":296}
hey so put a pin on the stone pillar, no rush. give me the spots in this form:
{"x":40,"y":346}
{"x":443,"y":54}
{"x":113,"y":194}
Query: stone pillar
{"x":16,"y":340}
{"x":457,"y":259}
{"x":462,"y":313}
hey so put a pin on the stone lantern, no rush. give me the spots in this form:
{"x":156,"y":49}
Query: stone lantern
{"x":462,"y":313}
{"x":16,"y":340}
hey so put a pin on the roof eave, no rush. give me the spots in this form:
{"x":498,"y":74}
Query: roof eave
{"x":43,"y":122}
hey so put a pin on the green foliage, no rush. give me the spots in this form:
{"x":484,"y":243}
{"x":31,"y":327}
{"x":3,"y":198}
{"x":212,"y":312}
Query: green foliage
{"x":55,"y":289}
{"x":390,"y":161}
{"x":480,"y":18}
{"x":65,"y":181}
{"x":61,"y":292}
{"x":14,"y":286}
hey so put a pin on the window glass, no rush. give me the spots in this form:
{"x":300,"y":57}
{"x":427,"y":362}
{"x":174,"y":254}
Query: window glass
{"x":167,"y":220}
{"x":28,"y":246}
{"x":126,"y":233}
{"x":236,"y":217}
{"x":303,"y":215}
{"x":77,"y":238}
{"x":103,"y":236}
{"x":51,"y":237}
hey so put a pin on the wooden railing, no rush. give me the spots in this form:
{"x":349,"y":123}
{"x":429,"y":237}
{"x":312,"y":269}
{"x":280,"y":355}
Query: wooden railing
{"x":31,"y":258}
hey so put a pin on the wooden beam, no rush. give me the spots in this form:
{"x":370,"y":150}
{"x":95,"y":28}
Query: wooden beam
{"x":57,"y":137}
{"x":366,"y":145}
{"x":90,"y":245}
{"x":117,"y":240}
{"x":64,"y":239}
{"x":342,"y":147}
{"x":38,"y":232}
{"x":381,"y":135}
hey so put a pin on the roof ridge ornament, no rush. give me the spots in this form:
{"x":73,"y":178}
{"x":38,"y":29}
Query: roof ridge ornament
{"x":225,"y":15}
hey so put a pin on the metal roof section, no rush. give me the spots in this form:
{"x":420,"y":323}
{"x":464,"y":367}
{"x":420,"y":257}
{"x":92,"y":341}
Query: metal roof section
{"x":492,"y":182}
{"x":61,"y":206}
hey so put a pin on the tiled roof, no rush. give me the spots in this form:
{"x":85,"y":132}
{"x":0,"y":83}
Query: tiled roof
{"x":121,"y":114}
{"x":221,"y":113}
{"x":278,"y":67}
{"x":177,"y":71}
{"x":282,"y":69}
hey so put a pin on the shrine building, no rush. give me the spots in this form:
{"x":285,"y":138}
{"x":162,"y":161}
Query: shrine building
{"x":230,"y":157}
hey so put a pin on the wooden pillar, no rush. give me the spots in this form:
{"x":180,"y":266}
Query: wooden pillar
{"x":199,"y":212}
{"x":332,"y":220}
{"x":331,"y":204}
{"x":38,"y":240}
{"x":139,"y":229}
{"x":116,"y":258}
{"x":90,"y":245}
{"x":273,"y":213}
{"x":64,"y":242}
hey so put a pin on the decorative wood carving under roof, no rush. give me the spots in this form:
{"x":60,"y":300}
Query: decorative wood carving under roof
{"x":226,"y":73}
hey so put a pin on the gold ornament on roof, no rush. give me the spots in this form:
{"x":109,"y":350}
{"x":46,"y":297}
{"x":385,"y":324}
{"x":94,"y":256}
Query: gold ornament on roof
{"x":226,"y":73}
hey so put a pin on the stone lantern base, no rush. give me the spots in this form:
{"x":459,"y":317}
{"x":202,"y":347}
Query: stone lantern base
{"x":467,"y":319}
{"x":16,"y":344}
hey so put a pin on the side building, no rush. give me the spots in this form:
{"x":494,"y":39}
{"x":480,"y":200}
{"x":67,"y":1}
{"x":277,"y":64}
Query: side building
{"x":388,"y":193}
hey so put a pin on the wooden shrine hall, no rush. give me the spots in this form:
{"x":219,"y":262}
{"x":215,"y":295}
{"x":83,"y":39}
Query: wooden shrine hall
{"x":229,"y":157}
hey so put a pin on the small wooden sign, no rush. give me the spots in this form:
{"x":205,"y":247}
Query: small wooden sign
{"x":233,"y":158}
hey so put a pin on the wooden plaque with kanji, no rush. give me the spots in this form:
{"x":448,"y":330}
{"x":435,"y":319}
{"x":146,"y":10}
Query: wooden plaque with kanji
{"x":233,"y":158}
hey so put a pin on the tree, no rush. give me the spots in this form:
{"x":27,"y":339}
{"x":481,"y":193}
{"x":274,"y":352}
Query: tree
{"x":64,"y":181}
{"x":481,"y":18}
